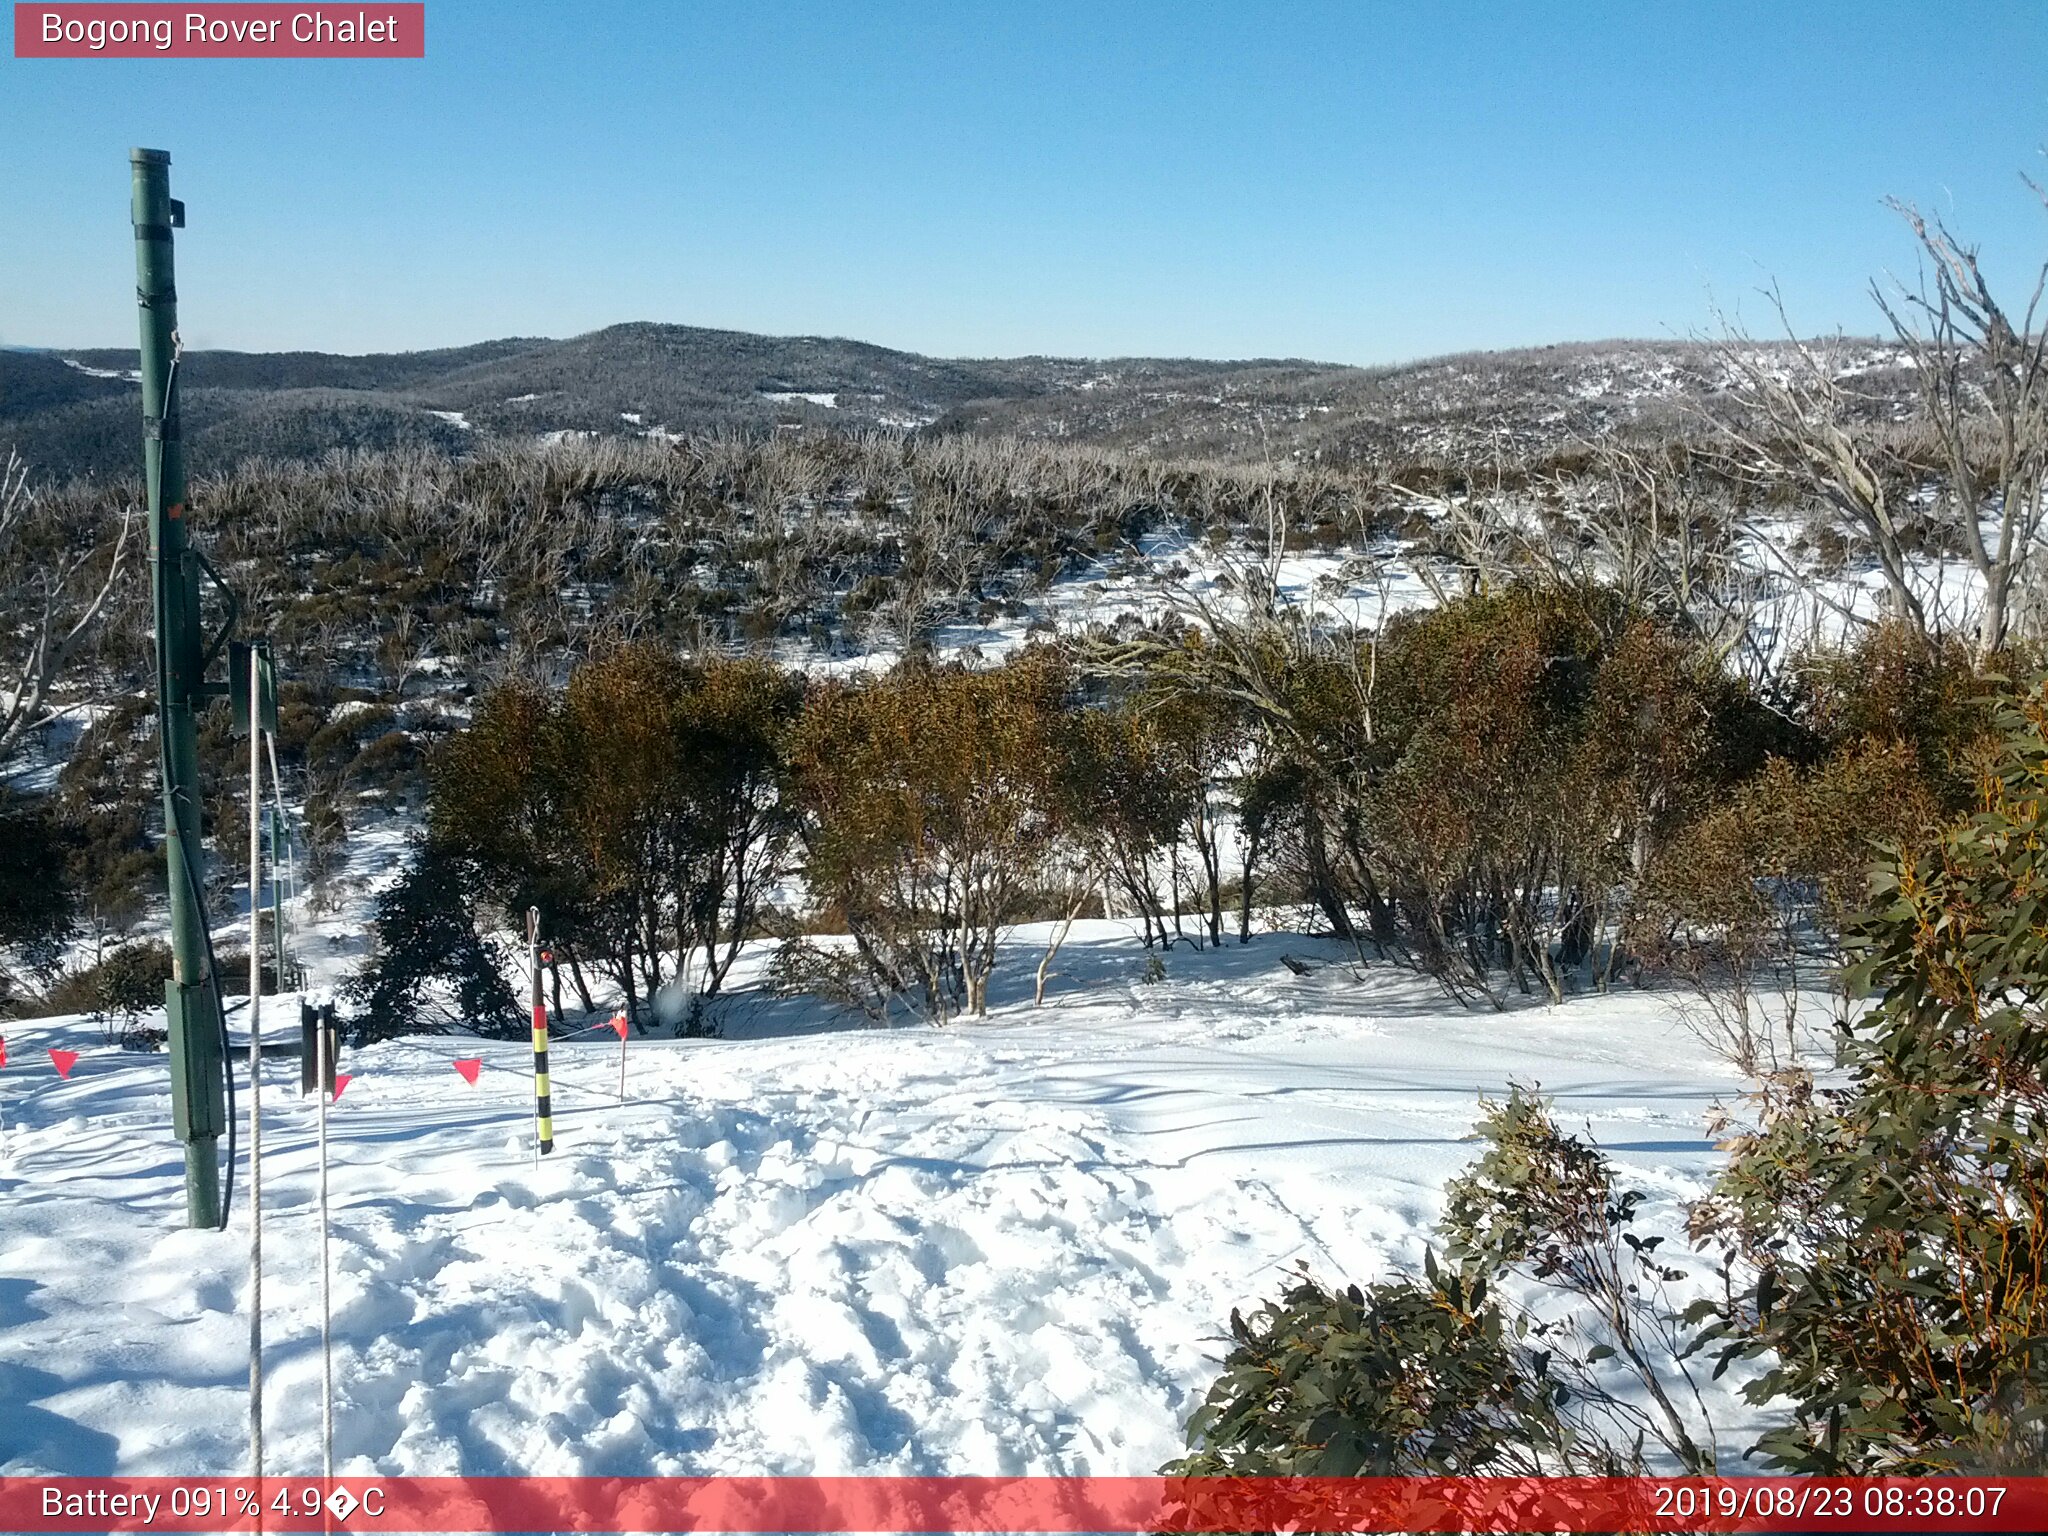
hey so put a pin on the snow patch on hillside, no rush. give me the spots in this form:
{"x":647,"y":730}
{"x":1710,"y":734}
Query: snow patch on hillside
{"x":131,"y":375}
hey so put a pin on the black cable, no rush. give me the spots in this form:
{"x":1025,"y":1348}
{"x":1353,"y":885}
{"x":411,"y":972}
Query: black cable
{"x":227,"y":1055}
{"x":177,"y":830}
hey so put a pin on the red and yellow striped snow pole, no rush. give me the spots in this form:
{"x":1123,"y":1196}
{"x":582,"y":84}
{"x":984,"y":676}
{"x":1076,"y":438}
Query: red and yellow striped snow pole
{"x":543,"y":1103}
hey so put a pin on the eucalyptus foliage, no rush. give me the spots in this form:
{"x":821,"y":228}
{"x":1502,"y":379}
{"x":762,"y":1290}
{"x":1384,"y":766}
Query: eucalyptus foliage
{"x":1894,"y":1230}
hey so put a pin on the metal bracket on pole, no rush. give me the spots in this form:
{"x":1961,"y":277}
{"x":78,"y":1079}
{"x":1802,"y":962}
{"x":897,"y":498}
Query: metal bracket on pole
{"x":227,"y":625}
{"x":239,"y":667}
{"x":198,"y":1095}
{"x":316,"y":1055}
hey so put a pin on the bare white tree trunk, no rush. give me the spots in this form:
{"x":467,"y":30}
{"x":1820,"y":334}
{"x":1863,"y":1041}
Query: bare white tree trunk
{"x":52,"y":608}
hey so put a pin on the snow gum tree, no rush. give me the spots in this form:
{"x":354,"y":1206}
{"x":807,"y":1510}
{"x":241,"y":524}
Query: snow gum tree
{"x":63,"y":571}
{"x":1125,"y":798}
{"x":1530,"y":750}
{"x":1970,"y":476}
{"x":1200,"y":739}
{"x":641,"y":810}
{"x":930,"y":811}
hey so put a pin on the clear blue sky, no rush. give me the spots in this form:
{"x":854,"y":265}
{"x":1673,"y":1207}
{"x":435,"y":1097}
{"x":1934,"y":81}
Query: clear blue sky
{"x":1359,"y":182}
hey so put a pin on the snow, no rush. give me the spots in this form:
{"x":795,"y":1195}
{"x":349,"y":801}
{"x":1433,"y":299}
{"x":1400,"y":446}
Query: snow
{"x":51,"y":745}
{"x":1342,"y":588}
{"x":1165,"y":574}
{"x":132,"y":375}
{"x":1002,"y":1247}
{"x":348,"y":709}
{"x":454,"y":419}
{"x":1798,"y":606}
{"x":827,"y":398}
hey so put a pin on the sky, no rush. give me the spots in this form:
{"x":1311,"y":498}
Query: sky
{"x":1357,"y":182}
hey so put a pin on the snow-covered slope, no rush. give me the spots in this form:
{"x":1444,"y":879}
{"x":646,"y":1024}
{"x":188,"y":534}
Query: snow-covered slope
{"x":1007,"y":1246}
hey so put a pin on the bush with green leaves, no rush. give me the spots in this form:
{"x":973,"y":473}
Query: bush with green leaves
{"x":1550,"y":1340}
{"x":1892,"y":1231}
{"x":116,"y":990}
{"x":106,"y":796}
{"x":1402,"y":1378}
{"x":1546,"y":1206}
{"x":38,"y":910}
{"x":1878,"y":1243}
{"x":432,"y":971}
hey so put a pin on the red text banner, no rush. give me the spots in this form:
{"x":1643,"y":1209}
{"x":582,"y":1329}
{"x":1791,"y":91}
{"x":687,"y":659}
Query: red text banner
{"x":928,"y":1505}
{"x":235,"y":31}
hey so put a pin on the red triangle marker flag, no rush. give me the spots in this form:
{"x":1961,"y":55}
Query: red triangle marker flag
{"x":619,"y":1024}
{"x":469,"y":1066}
{"x":3,"y":1050}
{"x":63,"y":1061}
{"x":341,"y":1081}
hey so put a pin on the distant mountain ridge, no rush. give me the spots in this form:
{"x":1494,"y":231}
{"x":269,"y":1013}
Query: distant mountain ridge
{"x":74,"y":412}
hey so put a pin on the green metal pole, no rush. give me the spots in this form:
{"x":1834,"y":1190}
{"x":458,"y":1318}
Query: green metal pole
{"x":191,"y":996}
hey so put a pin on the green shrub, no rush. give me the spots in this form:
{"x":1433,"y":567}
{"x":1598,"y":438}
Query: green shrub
{"x":388,"y":762}
{"x":347,"y":731}
{"x":1546,"y":1206}
{"x":38,"y":910}
{"x":1400,"y":1379}
{"x":431,"y":970}
{"x":233,"y":965}
{"x":1440,"y":1376}
{"x":107,"y":795}
{"x":1893,"y":1232}
{"x":1897,"y":685}
{"x":122,"y":985}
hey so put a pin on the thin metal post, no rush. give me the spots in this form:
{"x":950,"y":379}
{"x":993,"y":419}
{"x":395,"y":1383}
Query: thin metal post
{"x":255,"y":1074}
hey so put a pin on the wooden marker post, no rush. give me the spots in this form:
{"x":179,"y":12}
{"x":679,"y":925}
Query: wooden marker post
{"x":543,"y":1105}
{"x":622,"y":1025}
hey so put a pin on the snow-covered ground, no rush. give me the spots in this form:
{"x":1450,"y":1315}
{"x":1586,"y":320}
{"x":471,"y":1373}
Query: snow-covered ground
{"x":1005,"y":1246}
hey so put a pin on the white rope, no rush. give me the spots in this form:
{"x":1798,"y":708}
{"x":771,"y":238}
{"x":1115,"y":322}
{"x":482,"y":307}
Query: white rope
{"x":326,"y":1299}
{"x":255,"y":1076}
{"x":587,"y":1029}
{"x":285,"y":860}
